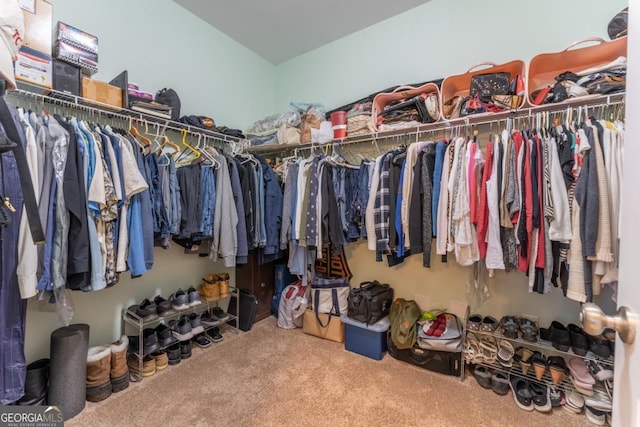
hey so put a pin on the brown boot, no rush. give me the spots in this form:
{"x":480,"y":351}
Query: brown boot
{"x":224,"y":285}
{"x":210,"y":288}
{"x":98,"y":369}
{"x":148,"y":365}
{"x":119,"y":370}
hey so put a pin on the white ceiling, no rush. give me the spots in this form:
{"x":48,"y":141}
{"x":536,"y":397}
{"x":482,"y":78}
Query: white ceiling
{"x":279,"y":30}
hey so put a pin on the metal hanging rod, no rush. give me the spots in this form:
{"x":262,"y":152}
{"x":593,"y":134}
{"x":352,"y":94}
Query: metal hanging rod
{"x":109,"y":111}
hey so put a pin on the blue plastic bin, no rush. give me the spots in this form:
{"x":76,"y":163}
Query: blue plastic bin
{"x":369,"y":341}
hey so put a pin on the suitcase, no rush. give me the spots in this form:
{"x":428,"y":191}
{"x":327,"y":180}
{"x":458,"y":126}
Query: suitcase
{"x":443,"y":362}
{"x":248,"y":309}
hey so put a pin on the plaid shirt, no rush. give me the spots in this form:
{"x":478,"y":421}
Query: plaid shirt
{"x":382,"y":205}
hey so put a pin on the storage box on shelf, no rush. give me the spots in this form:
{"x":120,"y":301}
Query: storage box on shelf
{"x":460,"y":84}
{"x":405,"y":93}
{"x":544,"y":68}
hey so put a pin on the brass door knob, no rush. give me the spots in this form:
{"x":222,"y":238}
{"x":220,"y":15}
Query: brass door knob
{"x":594,"y":321}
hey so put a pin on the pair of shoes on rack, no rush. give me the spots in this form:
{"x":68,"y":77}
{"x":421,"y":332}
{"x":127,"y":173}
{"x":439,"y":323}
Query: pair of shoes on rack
{"x":555,"y":364}
{"x":215,"y":316}
{"x":148,"y":365}
{"x":186,"y":326}
{"x":495,"y":380}
{"x":530,"y":395}
{"x":581,"y":378}
{"x":477,"y":351}
{"x":571,"y":336}
{"x":515,"y":327}
{"x":483,"y":324}
{"x":183,"y":300}
{"x":215,"y":287}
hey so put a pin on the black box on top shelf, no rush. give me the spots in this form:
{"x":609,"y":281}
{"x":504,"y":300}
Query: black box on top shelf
{"x":66,"y":78}
{"x":78,"y":38}
{"x":87,"y":61}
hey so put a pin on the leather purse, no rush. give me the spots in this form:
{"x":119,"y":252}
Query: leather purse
{"x":487,"y":85}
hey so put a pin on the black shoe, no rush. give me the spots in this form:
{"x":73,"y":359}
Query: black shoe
{"x":163,"y":307}
{"x":165,"y":337}
{"x":540,"y":397}
{"x":174,"y":354}
{"x":579,"y":343}
{"x":599,"y":345}
{"x":220,"y":314}
{"x":147,"y":310}
{"x":521,"y":393}
{"x":215,"y":335}
{"x":202,"y":341}
{"x":482,"y":374}
{"x":500,"y":383}
{"x":185,"y":349}
{"x":179,"y":300}
{"x":559,"y":336}
{"x":35,"y":384}
{"x":209,"y":320}
{"x":149,"y":341}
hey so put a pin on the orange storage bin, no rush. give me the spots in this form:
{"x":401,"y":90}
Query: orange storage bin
{"x":381,"y":100}
{"x":544,"y":68}
{"x":460,"y":84}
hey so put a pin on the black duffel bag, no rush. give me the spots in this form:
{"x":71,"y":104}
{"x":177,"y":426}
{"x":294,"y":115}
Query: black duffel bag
{"x":370,"y":302}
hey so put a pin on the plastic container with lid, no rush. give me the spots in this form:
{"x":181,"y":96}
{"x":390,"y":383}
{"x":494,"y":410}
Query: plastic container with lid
{"x":367,"y":340}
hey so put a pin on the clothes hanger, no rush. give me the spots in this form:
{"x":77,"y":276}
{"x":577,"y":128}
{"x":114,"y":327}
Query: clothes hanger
{"x":146,"y":142}
{"x":188,"y":149}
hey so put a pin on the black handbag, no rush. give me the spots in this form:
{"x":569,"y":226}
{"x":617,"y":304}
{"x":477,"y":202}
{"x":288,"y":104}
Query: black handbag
{"x":488,"y":85}
{"x":370,"y":302}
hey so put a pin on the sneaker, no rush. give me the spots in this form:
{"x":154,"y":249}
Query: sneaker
{"x":194,"y":297}
{"x":220,"y":314}
{"x":202,"y":341}
{"x":165,"y":337}
{"x":215,"y":335}
{"x":595,"y":416}
{"x":209,"y":320}
{"x":173,"y":353}
{"x":181,"y":329}
{"x":500,"y":383}
{"x":147,"y":311}
{"x":521,"y":393}
{"x":179,"y":300}
{"x":185,"y":349}
{"x":149,"y":341}
{"x":163,"y":306}
{"x":196,"y":323}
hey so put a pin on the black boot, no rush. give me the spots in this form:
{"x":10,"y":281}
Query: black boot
{"x":36,"y":383}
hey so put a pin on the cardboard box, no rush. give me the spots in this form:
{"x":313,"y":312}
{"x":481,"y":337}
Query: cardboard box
{"x":34,"y":67}
{"x":101,"y":92}
{"x":38,"y":26}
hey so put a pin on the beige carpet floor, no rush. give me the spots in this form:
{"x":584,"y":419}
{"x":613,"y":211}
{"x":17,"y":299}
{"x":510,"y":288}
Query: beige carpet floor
{"x":274,"y":377}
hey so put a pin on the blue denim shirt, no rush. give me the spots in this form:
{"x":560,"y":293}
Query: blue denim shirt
{"x":146,"y":211}
{"x":272,"y":208}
